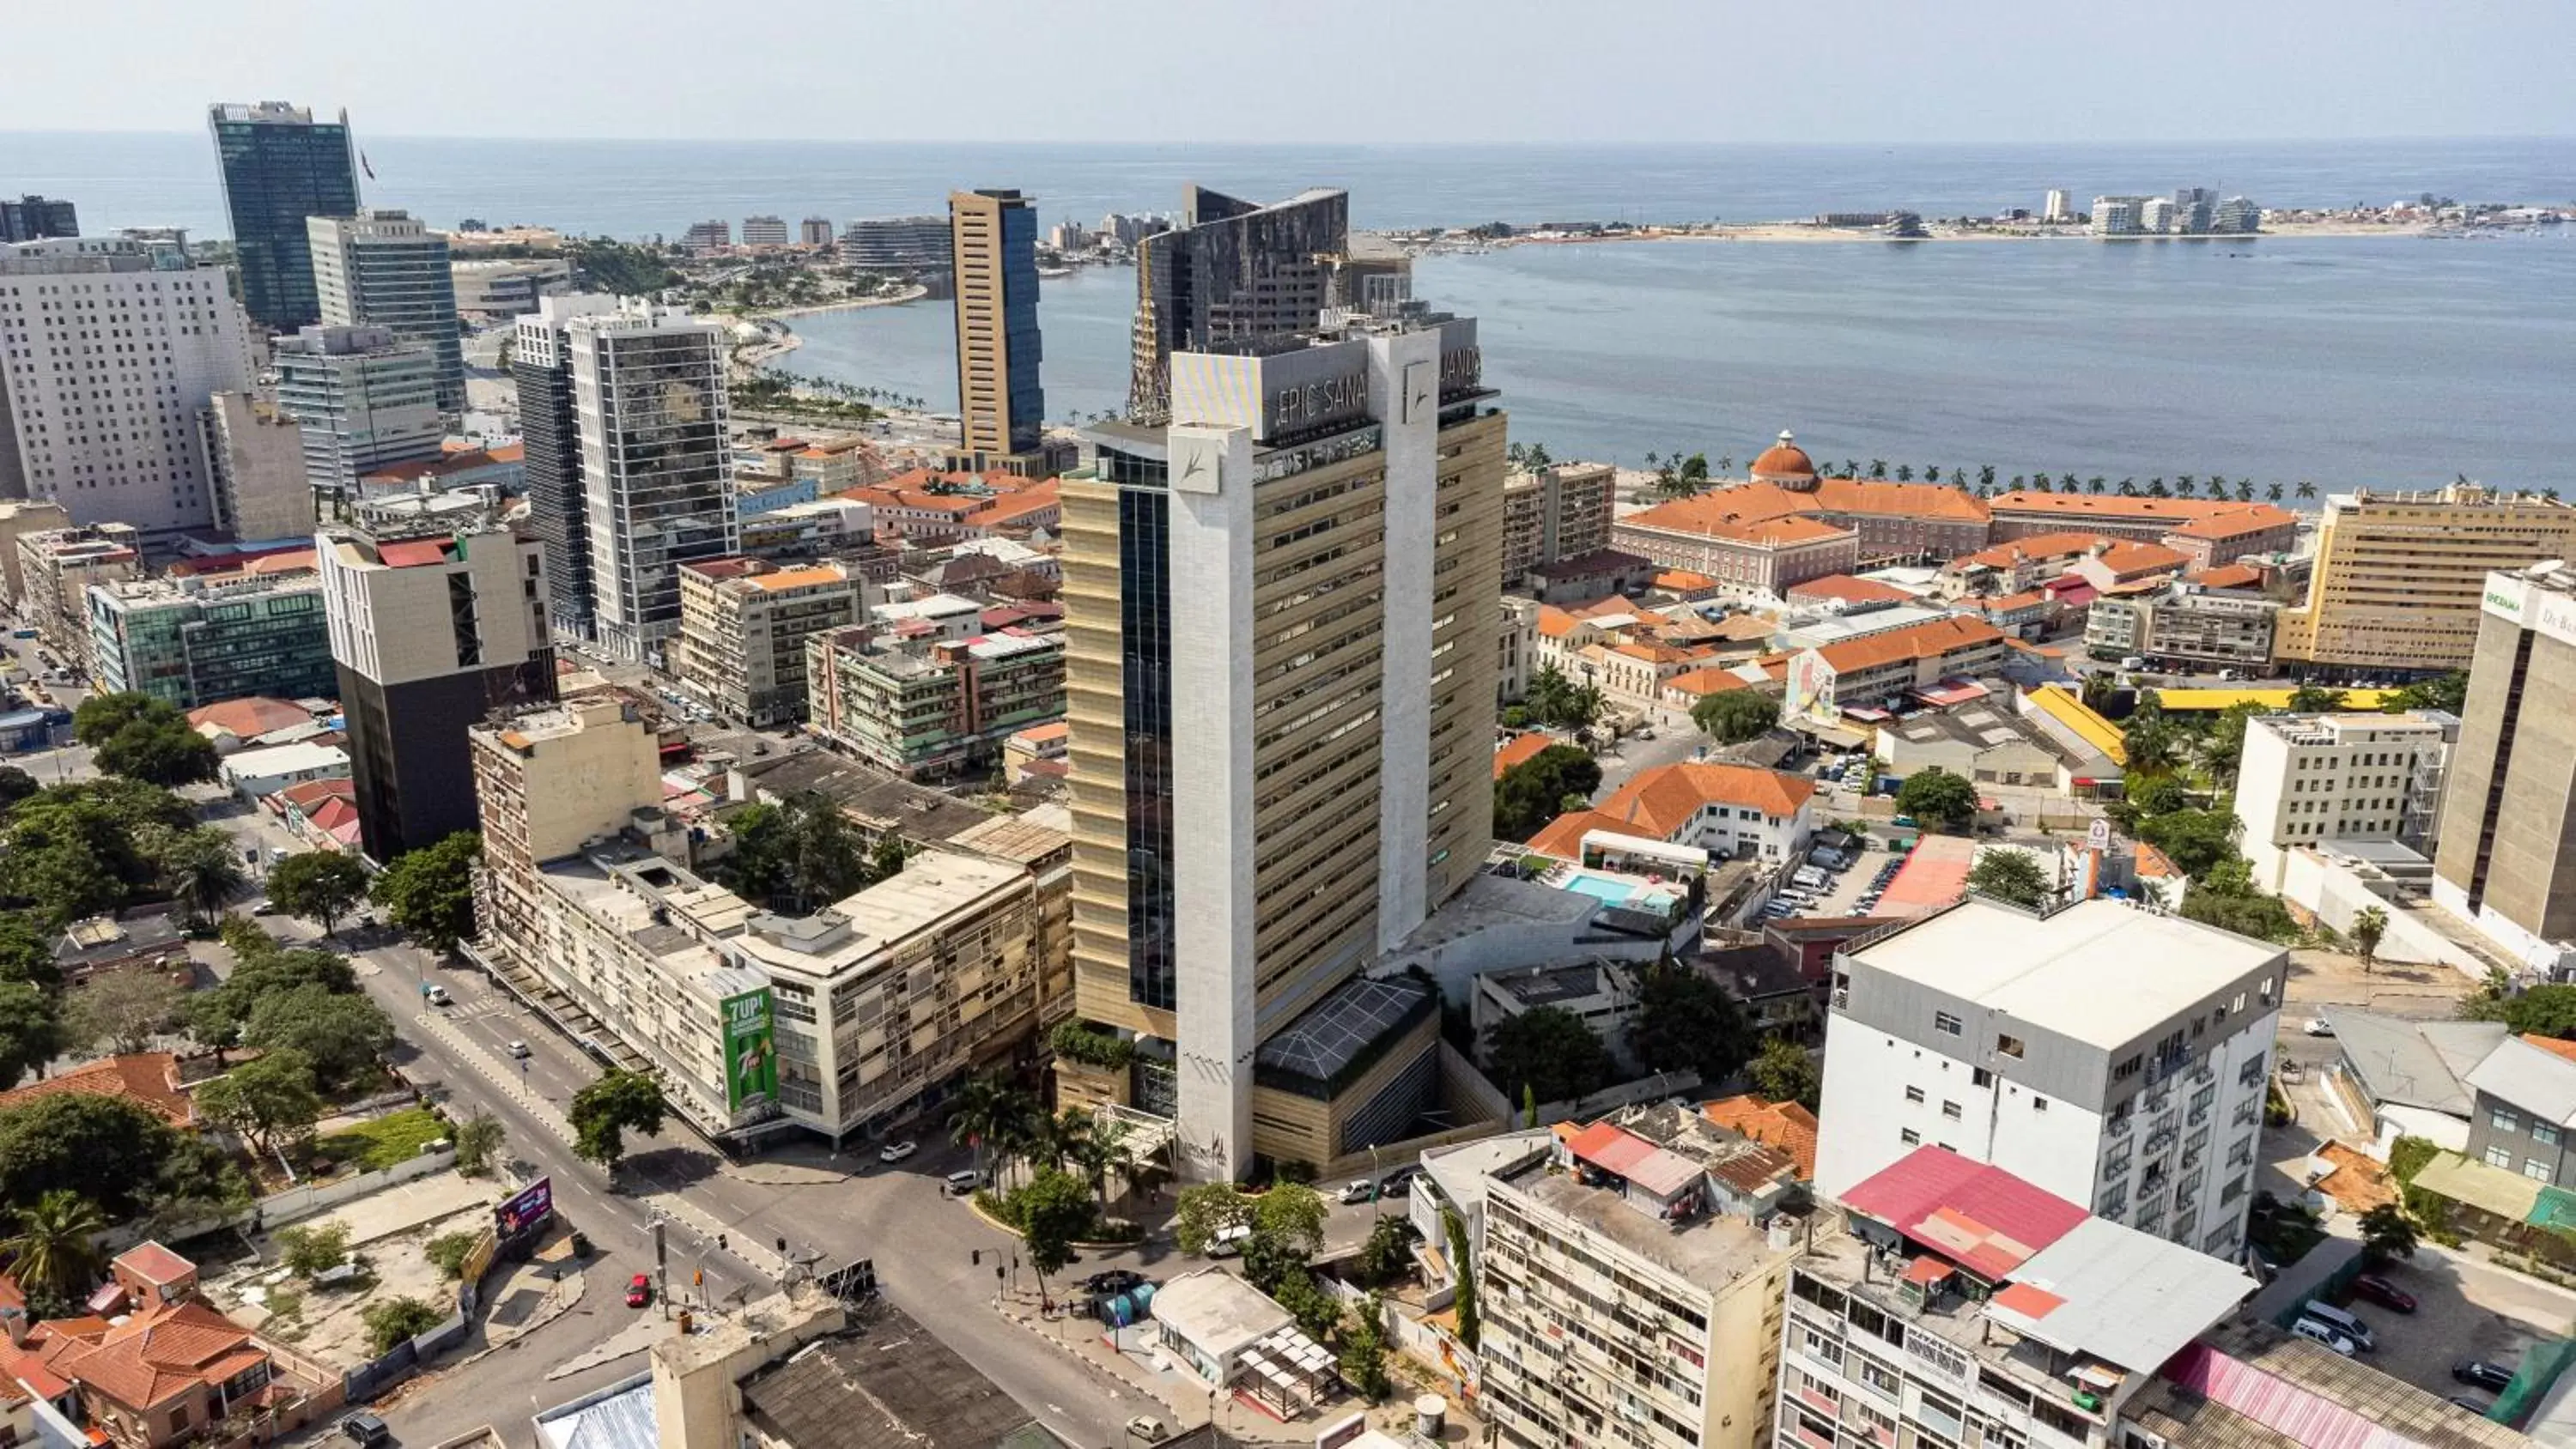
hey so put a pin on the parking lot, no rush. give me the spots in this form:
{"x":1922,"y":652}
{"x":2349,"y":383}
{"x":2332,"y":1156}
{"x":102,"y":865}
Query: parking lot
{"x":2465,"y":1309}
{"x":1844,"y":890}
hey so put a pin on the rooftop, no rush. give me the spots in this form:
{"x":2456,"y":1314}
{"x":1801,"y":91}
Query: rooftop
{"x":1534,"y":986}
{"x":1710,"y":1251}
{"x":2248,"y":1385}
{"x":1848,"y":589}
{"x":149,"y":1079}
{"x":1788,"y":1126}
{"x":2411,"y":1063}
{"x":888,"y":1381}
{"x":2096,"y":971}
{"x":2541,"y":1083}
{"x":1219,"y":1313}
{"x":1341,"y":1029}
{"x":1930,"y":639}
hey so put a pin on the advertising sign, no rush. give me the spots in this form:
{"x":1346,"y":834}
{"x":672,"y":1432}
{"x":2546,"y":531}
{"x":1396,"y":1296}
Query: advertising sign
{"x":528,"y":1208}
{"x":751,"y":1050}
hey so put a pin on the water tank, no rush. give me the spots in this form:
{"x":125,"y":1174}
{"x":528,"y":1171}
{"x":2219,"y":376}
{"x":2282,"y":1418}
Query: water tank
{"x":1429,"y":1412}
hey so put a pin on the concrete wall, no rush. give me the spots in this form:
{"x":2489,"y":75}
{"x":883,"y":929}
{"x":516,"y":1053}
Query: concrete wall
{"x":2335,"y":894}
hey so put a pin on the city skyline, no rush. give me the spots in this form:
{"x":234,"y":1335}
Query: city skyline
{"x":1995,"y":71}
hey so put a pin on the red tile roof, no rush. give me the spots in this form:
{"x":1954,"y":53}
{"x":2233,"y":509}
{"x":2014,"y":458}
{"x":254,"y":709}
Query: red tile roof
{"x":2040,"y":546}
{"x":148,"y":1079}
{"x":1661,"y":801}
{"x":155,"y":1264}
{"x":2238,"y":521}
{"x":413,"y":553}
{"x":1931,"y":639}
{"x":1983,"y":1218}
{"x":158,"y":1354}
{"x":1706,"y":682}
{"x":2228,"y":576}
{"x":1615,"y":1149}
{"x":2128,"y":558}
{"x":250,"y":717}
{"x":1519,"y":749}
{"x":1785,"y":1125}
{"x":1849,"y":590}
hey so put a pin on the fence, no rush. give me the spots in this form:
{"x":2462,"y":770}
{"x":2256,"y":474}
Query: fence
{"x":278,"y":1209}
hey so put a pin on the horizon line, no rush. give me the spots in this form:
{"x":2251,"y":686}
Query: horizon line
{"x":1372,"y":145}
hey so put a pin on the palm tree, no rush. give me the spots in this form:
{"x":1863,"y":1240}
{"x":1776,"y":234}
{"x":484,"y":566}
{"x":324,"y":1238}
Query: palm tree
{"x":2244,"y":490}
{"x":1986,"y":474}
{"x":1878,"y":467}
{"x":2094,"y":483}
{"x":2368,"y":925}
{"x":2066,"y":483}
{"x":1904,"y":472}
{"x":54,"y":1248}
{"x":202,"y":873}
{"x":2186,"y":484}
{"x":2306,"y":489}
{"x":2273,"y":492}
{"x":1652,"y":459}
{"x":983,"y":1115}
{"x":1726,"y":464}
{"x":2128,"y":487}
{"x":1850,"y":468}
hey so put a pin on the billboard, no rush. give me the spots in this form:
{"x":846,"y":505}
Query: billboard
{"x":751,"y":1050}
{"x":526,"y":1209}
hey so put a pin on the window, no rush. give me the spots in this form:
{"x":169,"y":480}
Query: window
{"x":2544,"y":1134}
{"x":1980,"y":1077}
{"x":2503,"y":1119}
{"x":2008,"y":1046}
{"x":2500,"y":1157}
{"x":2039,"y":1104}
{"x":1945,"y":1023}
{"x":1910,"y":1137}
{"x":2535,"y":1169}
{"x":1914,"y":1095}
{"x":1950,"y":1110}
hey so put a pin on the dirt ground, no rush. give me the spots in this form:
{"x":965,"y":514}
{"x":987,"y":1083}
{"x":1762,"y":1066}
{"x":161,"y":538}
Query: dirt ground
{"x":328,"y":1322}
{"x":2319,"y":978}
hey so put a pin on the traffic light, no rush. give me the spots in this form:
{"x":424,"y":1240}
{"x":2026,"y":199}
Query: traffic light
{"x":978,"y":1258}
{"x":720,"y":1243}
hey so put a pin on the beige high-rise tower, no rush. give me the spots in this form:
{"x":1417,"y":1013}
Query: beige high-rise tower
{"x":1000,"y":406}
{"x":1280,"y":611}
{"x":2398,"y":576}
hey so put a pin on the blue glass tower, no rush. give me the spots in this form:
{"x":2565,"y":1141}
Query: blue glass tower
{"x":279,"y":166}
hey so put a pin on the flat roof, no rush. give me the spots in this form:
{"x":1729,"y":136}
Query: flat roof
{"x":1708,"y":1253}
{"x":886,"y":1381}
{"x":1333,"y":1033}
{"x":2114,"y":1291}
{"x":1218,"y":1312}
{"x":933,"y":885}
{"x":2094,"y":972}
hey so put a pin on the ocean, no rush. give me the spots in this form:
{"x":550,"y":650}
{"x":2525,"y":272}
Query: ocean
{"x":2385,"y":361}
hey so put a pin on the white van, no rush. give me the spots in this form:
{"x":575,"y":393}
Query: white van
{"x":2310,"y":1328}
{"x":2341,"y":1322}
{"x":1228,"y":1241}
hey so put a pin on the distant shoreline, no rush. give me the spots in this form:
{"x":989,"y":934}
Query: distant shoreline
{"x":1804,"y":232}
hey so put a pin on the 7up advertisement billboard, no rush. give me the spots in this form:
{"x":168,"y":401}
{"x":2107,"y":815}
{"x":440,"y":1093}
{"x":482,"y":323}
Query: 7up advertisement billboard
{"x":751,"y":1051}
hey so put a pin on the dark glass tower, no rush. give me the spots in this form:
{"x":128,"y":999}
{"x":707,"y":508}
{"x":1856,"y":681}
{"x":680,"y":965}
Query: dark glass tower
{"x":279,"y":166}
{"x":1233,"y":270}
{"x":34,"y":218}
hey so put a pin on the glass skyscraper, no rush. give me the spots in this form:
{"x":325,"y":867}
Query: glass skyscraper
{"x":279,"y":166}
{"x":1000,"y":405}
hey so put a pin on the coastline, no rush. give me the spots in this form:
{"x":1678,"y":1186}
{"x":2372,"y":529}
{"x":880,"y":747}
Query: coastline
{"x":779,"y":339}
{"x":1803,"y":233}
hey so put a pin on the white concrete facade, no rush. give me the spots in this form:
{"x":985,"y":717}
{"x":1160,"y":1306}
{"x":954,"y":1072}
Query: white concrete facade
{"x":1404,"y":396}
{"x":2316,"y":779}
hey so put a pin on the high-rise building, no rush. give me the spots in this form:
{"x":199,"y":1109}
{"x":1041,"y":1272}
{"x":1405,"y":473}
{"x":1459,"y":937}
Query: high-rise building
{"x":1232,"y":270}
{"x":897,"y":244}
{"x":1280,"y":614}
{"x":708,"y":236}
{"x":2118,"y":215}
{"x":34,"y":218}
{"x":2111,"y":1055}
{"x":2195,"y":210}
{"x":2398,"y":576}
{"x":743,"y":626}
{"x":106,"y":363}
{"x":2055,"y":209}
{"x":200,"y":641}
{"x":279,"y":167}
{"x":2328,"y":779}
{"x":764,"y":231}
{"x":383,"y":269}
{"x":550,"y":434}
{"x":366,"y":400}
{"x":922,"y":705}
{"x":2509,"y":811}
{"x":431,"y":630}
{"x":999,"y":403}
{"x":649,"y":398}
{"x":2156,"y":216}
{"x":1555,"y":513}
{"x":2237,"y":214}
{"x":814,"y":231}
{"x":254,"y":454}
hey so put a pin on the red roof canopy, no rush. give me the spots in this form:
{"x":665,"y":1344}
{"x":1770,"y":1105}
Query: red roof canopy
{"x":1982,"y":1218}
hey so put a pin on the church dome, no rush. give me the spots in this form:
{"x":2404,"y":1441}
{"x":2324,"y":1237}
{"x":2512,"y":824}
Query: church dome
{"x":1786,"y":464}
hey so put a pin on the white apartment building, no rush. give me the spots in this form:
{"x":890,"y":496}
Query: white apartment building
{"x":2311,"y":779}
{"x":255,"y":457}
{"x":764,"y":231}
{"x":2112,"y":1056}
{"x":649,"y":399}
{"x":106,"y":360}
{"x":2054,"y":207}
{"x":2156,"y":215}
{"x":367,"y":400}
{"x":384,"y":269}
{"x":2117,"y":215}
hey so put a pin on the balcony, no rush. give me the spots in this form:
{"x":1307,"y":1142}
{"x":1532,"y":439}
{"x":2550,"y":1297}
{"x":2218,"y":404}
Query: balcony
{"x":2160,"y":1139}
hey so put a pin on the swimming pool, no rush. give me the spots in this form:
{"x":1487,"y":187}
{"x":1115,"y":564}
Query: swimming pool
{"x":1613,"y":891}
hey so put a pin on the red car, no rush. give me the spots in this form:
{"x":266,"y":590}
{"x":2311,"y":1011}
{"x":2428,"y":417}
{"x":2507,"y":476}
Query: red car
{"x":2382,"y":1292}
{"x":639,"y":1291}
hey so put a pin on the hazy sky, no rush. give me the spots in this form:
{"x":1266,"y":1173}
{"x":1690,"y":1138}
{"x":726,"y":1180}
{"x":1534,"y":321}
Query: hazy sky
{"x":1281,"y":71}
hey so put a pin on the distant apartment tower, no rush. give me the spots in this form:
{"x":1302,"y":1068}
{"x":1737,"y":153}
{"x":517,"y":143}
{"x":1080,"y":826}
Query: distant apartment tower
{"x":708,"y":236}
{"x":366,"y":400}
{"x":105,"y":365}
{"x":279,"y":167}
{"x":2237,"y":215}
{"x":1233,"y":270}
{"x":926,"y":706}
{"x":2305,"y":780}
{"x":384,"y":269}
{"x":20,"y":517}
{"x":649,"y":399}
{"x":1555,"y":513}
{"x":2055,"y":209}
{"x":814,"y":231}
{"x":34,"y":218}
{"x":897,"y":244}
{"x":743,"y":626}
{"x":254,"y":454}
{"x":2114,"y":1056}
{"x":57,"y":566}
{"x":2398,"y":577}
{"x":195,"y":642}
{"x":2509,"y":813}
{"x":1000,"y":405}
{"x":764,"y":231}
{"x":431,"y":630}
{"x":2118,"y":215}
{"x":550,"y":433}
{"x":2156,"y":216}
{"x":1280,"y":624}
{"x":2195,"y":210}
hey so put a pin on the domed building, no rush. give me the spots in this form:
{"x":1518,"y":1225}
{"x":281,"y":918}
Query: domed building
{"x":1786,"y":464}
{"x":1742,"y":534}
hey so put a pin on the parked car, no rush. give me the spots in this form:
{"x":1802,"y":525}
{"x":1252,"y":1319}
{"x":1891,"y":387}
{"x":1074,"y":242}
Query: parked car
{"x":2382,"y":1292}
{"x":1116,"y":1280}
{"x":2317,"y":1026}
{"x":962,"y":1184}
{"x":1228,"y":1241}
{"x":639,"y":1291}
{"x":366,"y":1429}
{"x":2310,"y":1328}
{"x":1146,"y":1429}
{"x":2480,"y":1374}
{"x":897,"y":1151}
{"x":1360,"y":1191}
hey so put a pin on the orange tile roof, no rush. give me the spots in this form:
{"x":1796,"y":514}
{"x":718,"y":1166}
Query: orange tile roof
{"x":1664,"y":799}
{"x":1683,"y":579}
{"x":1706,"y":681}
{"x":2154,"y":864}
{"x":2555,"y":1046}
{"x":1900,"y":500}
{"x":2128,"y":508}
{"x":2041,"y":546}
{"x":158,"y":1354}
{"x":1785,"y":1125}
{"x":2240,"y":520}
{"x":155,"y":1264}
{"x":805,"y":578}
{"x":1850,"y":590}
{"x":1563,"y":836}
{"x":1928,"y":640}
{"x":256,"y":715}
{"x":2128,"y":556}
{"x":2228,"y":576}
{"x":1654,"y":653}
{"x":1041,"y":733}
{"x":148,"y":1079}
{"x":1556,"y":623}
{"x":294,"y":561}
{"x":1519,"y":749}
{"x":2005,"y":605}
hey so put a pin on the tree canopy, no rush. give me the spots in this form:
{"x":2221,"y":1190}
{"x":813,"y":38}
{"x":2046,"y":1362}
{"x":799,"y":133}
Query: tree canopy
{"x":31,"y":1030}
{"x":2010,"y":875}
{"x":76,"y":850}
{"x":1736,"y":716}
{"x":803,"y":854}
{"x":2541,"y":1011}
{"x":122,"y":1009}
{"x":2315,"y":699}
{"x":1549,"y":1052}
{"x":1054,"y":1210}
{"x":1533,"y":792}
{"x":319,"y":886}
{"x":1687,"y":1022}
{"x":430,"y":892}
{"x":143,"y":738}
{"x":270,"y":1100}
{"x":342,"y":1034}
{"x":1560,"y":703}
{"x":1938,"y":799}
{"x":261,"y":968}
{"x":2446,"y":692}
{"x":114,"y":1152}
{"x":1784,"y":1071}
{"x":605,"y":1111}
{"x":2196,"y":841}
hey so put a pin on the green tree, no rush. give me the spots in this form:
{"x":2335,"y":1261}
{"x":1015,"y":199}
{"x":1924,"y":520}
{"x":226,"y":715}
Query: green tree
{"x":2446,"y":692}
{"x":1549,"y":1051}
{"x":1055,"y":1211}
{"x":1206,"y":1210}
{"x":15,"y":785}
{"x":115,"y":1152}
{"x":1531,"y":793}
{"x":312,"y":1248}
{"x":143,"y":738}
{"x":797,"y":856}
{"x":55,"y":1247}
{"x":1363,"y":1358}
{"x":2224,"y":749}
{"x":2010,"y":875}
{"x":124,"y":1009}
{"x":605,"y":1111}
{"x":1736,"y":716}
{"x":261,"y":968}
{"x":201,"y":870}
{"x":26,"y":954}
{"x":1462,"y":1264}
{"x":341,"y":1035}
{"x":430,"y":892}
{"x":629,"y":270}
{"x":1291,"y":1213}
{"x":1783,"y":1071}
{"x":2369,"y":925}
{"x":2315,"y":699}
{"x":2387,"y":1234}
{"x":1937,"y":799}
{"x":477,"y":1138}
{"x":2540,"y":1011}
{"x":2196,"y":841}
{"x":31,"y":1031}
{"x":270,"y":1101}
{"x":448,"y":1251}
{"x":319,"y":886}
{"x":1685,"y":1021}
{"x":1387,"y":1252}
{"x":994,"y":1118}
{"x":390,"y":1321}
